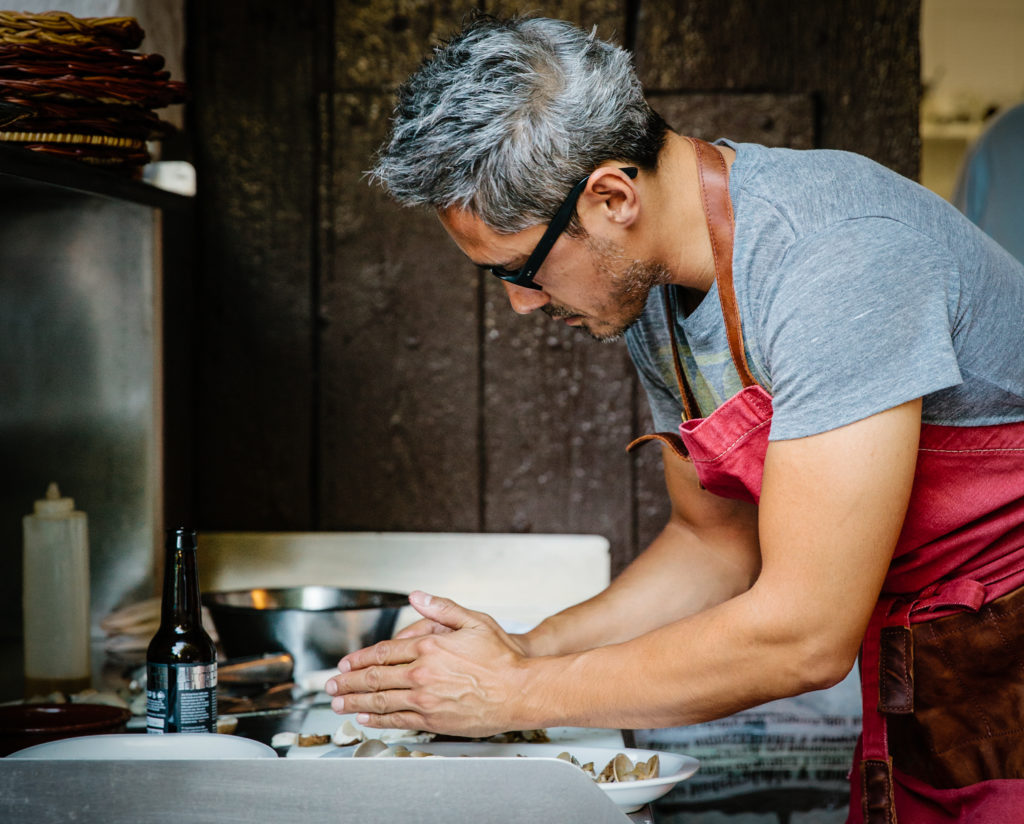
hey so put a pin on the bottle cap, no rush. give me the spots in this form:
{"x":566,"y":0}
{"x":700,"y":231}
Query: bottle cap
{"x":181,"y":538}
{"x":53,"y":504}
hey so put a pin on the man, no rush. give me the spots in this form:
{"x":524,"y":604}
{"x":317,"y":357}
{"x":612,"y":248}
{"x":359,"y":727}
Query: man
{"x":844,"y":349}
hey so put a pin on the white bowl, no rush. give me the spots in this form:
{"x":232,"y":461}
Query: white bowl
{"x":629,"y":796}
{"x":129,"y":746}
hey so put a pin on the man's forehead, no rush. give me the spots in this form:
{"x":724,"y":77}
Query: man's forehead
{"x":460,"y":220}
{"x":479,"y":241}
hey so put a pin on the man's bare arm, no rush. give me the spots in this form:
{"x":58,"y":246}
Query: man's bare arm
{"x":707,"y":553}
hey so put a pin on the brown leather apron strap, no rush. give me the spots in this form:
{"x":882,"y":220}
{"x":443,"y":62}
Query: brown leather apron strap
{"x":690,"y":408}
{"x":713,"y":174}
{"x":878,"y":798}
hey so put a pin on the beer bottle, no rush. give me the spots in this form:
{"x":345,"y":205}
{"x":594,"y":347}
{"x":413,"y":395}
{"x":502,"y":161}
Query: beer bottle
{"x":181,"y":662}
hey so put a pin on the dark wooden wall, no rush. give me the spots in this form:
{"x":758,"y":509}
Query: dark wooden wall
{"x":354,"y":372}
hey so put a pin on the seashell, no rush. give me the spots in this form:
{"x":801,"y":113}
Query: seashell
{"x":565,"y":756}
{"x":370,"y":748}
{"x":607,"y":775}
{"x":520,"y":737}
{"x":622,"y":768}
{"x":347,"y":734}
{"x":352,"y":732}
{"x":652,"y":768}
{"x":284,"y":739}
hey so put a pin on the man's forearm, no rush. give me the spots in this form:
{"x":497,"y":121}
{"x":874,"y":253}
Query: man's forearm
{"x":682,"y":572}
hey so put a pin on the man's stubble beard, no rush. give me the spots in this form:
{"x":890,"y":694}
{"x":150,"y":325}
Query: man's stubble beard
{"x":631,"y":286}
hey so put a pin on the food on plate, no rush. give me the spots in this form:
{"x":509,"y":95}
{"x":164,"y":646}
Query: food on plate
{"x":352,"y":732}
{"x":284,"y":739}
{"x":374,"y":748}
{"x":620,"y":769}
{"x":520,"y":737}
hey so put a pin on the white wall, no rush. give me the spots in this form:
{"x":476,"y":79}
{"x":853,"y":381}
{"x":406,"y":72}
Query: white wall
{"x":972,"y":61}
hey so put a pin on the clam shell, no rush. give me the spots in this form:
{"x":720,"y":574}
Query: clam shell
{"x":622,"y":768}
{"x":371,"y":748}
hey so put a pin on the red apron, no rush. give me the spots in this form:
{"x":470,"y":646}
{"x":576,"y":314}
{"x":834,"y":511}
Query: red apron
{"x":958,"y":564}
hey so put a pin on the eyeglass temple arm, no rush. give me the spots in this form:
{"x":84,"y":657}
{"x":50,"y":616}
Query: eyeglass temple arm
{"x":557,"y":224}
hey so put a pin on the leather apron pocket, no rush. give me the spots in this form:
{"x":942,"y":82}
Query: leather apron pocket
{"x":967,"y":723}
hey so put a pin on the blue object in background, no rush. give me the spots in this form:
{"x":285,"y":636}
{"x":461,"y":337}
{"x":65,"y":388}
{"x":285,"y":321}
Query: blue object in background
{"x":990,"y":190}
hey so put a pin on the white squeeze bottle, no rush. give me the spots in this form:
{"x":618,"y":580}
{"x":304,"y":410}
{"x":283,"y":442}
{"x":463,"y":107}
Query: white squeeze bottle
{"x":55,"y":597}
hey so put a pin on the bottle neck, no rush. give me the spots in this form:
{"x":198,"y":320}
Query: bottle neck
{"x":181,"y":606}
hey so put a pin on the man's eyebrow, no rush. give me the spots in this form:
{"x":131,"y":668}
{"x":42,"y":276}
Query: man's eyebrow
{"x":488,"y":266}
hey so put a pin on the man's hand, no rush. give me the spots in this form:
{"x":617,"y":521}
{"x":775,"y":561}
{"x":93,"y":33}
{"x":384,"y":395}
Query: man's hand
{"x":456,"y":672}
{"x":427,"y":627}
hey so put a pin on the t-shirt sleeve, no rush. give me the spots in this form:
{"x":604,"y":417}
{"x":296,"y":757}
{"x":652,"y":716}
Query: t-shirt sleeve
{"x":857,"y":322}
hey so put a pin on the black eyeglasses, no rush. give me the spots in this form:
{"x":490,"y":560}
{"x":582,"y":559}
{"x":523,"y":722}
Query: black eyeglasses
{"x":524,"y":277}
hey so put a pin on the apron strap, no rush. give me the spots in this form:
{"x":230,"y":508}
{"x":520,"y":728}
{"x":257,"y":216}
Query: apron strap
{"x":690,"y":408}
{"x":670,"y":439}
{"x":876,"y":781}
{"x":713,"y":174}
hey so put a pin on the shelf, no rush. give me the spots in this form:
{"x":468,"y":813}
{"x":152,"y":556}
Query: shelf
{"x":18,"y":164}
{"x":966,"y":131}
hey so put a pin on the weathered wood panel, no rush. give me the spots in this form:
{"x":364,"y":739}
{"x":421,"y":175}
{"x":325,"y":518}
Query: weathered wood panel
{"x":559,"y":413}
{"x":769,"y":119}
{"x":860,"y":58}
{"x":399,"y":305}
{"x":399,"y":328}
{"x":611,"y":17}
{"x":253,"y":107}
{"x":378,"y":44}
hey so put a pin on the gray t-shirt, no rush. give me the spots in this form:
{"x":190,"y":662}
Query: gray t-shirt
{"x":858,"y":290}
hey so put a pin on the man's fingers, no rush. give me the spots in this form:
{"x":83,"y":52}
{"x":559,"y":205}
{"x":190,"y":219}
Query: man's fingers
{"x":385,"y":706}
{"x":395,"y":651}
{"x":422,"y":627}
{"x":443,"y":611}
{"x":394,"y":721}
{"x":371,"y":679}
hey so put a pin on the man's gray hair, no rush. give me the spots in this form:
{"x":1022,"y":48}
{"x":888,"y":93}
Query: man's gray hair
{"x":507,"y":116}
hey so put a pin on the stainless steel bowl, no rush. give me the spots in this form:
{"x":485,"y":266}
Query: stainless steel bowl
{"x":315,"y":625}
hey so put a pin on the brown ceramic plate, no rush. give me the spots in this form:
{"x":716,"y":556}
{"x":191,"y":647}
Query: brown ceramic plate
{"x":23,"y":725}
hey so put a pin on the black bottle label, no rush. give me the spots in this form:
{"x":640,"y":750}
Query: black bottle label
{"x":181,"y":698}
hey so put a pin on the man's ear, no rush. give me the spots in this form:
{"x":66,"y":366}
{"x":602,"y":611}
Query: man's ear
{"x":612,"y":195}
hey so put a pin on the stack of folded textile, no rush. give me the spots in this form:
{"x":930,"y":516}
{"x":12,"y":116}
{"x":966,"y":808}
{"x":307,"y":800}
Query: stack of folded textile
{"x":73,"y":87}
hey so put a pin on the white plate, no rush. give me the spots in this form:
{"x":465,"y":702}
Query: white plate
{"x":629,"y":796}
{"x":140,"y":745}
{"x":322,"y":720}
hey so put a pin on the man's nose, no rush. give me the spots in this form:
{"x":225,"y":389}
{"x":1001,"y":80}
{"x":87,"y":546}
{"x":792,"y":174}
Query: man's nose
{"x":525,"y":300}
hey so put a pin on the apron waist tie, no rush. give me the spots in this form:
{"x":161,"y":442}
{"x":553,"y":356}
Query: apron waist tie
{"x":887,"y":681}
